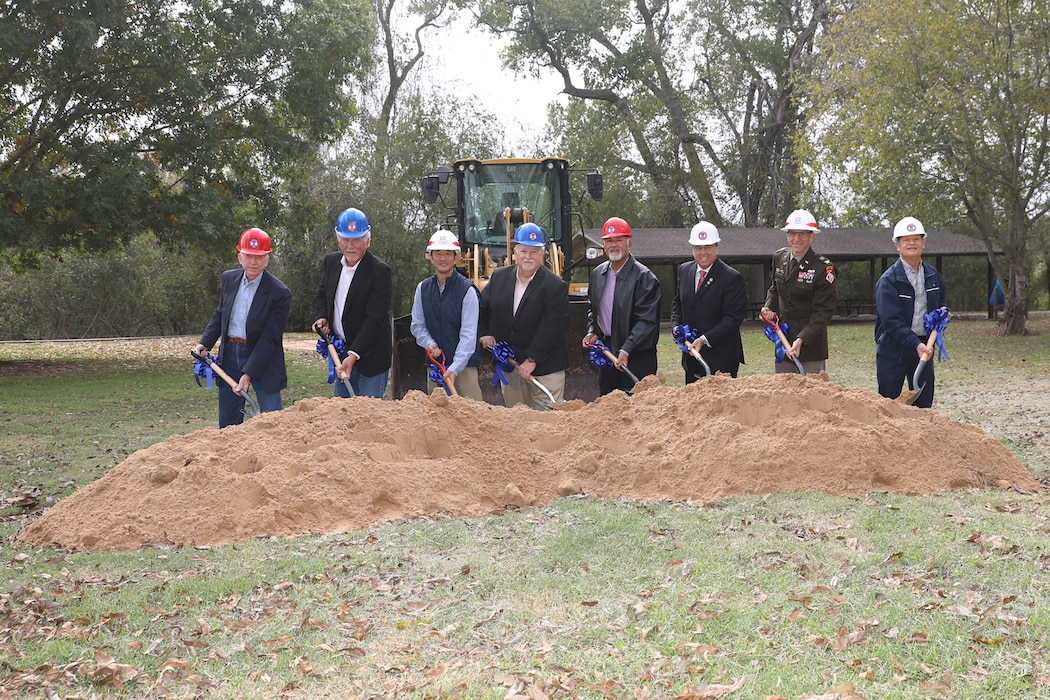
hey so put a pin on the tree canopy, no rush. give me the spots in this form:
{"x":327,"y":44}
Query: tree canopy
{"x":179,"y":117}
{"x":942,"y":111}
{"x":697,"y":96}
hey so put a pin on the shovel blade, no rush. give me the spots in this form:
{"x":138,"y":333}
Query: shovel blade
{"x":909,"y":397}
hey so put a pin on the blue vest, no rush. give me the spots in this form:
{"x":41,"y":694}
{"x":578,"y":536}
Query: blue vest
{"x":443,"y":313}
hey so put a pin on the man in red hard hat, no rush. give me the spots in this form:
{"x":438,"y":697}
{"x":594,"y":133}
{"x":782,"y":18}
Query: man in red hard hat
{"x":249,"y":321}
{"x":624,"y":312}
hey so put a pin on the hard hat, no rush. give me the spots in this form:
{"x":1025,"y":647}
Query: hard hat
{"x":908,"y":226}
{"x":254,"y":241}
{"x":352,"y":223}
{"x":615,"y":228}
{"x":801,"y":220}
{"x":529,"y":234}
{"x":704,"y":233}
{"x":443,"y":239}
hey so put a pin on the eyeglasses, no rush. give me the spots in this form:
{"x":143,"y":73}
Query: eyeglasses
{"x":799,"y":234}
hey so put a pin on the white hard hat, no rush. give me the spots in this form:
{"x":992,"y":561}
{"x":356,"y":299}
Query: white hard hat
{"x":704,"y":233}
{"x":908,"y":226}
{"x":801,"y":220}
{"x":443,"y":239}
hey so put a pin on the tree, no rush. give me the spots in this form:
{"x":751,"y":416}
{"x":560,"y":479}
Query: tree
{"x":181,"y":117}
{"x":404,"y":129}
{"x":942,"y":110}
{"x":701,"y":94}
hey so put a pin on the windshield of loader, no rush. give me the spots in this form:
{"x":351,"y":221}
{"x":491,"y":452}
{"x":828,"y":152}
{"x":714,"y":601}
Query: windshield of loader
{"x":492,"y":187}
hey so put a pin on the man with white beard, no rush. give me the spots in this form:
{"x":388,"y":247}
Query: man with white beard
{"x":624,"y":313}
{"x":527,"y":306}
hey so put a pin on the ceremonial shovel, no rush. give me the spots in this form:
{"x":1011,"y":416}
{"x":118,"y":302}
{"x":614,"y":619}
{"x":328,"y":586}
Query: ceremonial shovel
{"x":909,"y":397}
{"x":623,"y":368}
{"x":783,"y":341}
{"x":233,"y":385}
{"x":334,"y":354}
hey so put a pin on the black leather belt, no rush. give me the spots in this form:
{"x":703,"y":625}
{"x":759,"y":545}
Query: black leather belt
{"x":238,"y":341}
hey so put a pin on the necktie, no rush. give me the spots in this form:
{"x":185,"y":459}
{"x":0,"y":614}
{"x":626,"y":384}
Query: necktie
{"x":792,"y":269}
{"x":700,"y":282}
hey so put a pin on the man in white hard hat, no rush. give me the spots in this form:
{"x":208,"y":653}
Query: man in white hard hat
{"x":712,"y":300}
{"x":445,"y":317}
{"x":903,"y":295}
{"x":624,"y":311}
{"x":802,"y":294}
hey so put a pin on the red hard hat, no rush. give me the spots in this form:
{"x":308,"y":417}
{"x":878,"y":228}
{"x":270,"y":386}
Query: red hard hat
{"x":615,"y":227}
{"x":255,"y":241}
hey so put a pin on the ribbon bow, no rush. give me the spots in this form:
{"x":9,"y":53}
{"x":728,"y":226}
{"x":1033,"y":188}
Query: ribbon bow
{"x":937,"y":320}
{"x":202,"y":370}
{"x":502,"y":354}
{"x":683,"y":334}
{"x":437,"y":371}
{"x":322,"y":350}
{"x":771,"y":333}
{"x":597,"y":355}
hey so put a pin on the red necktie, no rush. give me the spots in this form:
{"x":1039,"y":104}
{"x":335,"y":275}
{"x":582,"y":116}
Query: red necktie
{"x":700,"y":282}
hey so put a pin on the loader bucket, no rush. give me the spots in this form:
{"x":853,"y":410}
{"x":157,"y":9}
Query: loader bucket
{"x":409,"y":370}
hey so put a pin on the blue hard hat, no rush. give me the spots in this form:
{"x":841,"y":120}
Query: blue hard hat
{"x":529,"y":234}
{"x":352,"y":223}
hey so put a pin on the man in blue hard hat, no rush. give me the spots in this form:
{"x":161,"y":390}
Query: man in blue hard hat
{"x":353,"y":302}
{"x":527,"y":306}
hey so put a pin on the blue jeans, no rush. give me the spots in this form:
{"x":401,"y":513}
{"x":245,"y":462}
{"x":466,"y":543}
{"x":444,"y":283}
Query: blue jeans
{"x":374,"y":386}
{"x":231,"y":405}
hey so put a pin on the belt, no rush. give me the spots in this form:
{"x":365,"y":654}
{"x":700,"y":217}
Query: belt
{"x":238,"y":341}
{"x":923,"y":338}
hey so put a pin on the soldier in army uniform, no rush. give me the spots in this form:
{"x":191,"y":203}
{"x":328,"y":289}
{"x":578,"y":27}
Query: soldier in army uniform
{"x":802,"y":294}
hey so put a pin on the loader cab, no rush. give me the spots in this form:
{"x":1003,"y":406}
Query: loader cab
{"x":494,"y":197}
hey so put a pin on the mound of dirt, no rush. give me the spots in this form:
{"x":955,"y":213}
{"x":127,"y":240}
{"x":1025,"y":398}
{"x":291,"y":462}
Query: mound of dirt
{"x":326,"y":465}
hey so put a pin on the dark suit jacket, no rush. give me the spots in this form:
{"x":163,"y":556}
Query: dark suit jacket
{"x":636,"y":307}
{"x":537,"y":331}
{"x":366,"y":313}
{"x":265,"y":325}
{"x":716,"y":312}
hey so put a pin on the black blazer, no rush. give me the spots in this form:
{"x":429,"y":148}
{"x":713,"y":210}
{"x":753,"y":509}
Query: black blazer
{"x":537,"y":331}
{"x":715,"y":311}
{"x":366,"y":312}
{"x":264,"y":326}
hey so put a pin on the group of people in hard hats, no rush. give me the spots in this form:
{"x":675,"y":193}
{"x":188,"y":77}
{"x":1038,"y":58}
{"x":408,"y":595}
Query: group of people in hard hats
{"x":521,"y":314}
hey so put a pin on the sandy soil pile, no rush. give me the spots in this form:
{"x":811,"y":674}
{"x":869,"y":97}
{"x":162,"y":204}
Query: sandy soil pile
{"x":327,"y":465}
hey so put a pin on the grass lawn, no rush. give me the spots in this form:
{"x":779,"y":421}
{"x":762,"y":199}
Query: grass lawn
{"x":787,"y":596}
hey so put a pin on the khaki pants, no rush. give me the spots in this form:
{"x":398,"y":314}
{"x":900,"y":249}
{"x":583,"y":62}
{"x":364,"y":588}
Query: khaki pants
{"x":467,"y":384}
{"x":520,"y":391}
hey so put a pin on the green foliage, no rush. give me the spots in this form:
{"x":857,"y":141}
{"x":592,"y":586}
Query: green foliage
{"x":697,"y":101}
{"x":121,"y":117}
{"x":941,"y":111}
{"x":139,"y":289}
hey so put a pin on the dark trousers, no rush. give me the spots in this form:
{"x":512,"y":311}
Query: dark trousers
{"x":231,"y":405}
{"x":641,"y":362}
{"x":893,"y":372}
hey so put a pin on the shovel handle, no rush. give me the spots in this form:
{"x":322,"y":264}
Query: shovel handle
{"x":450,"y":389}
{"x":228,"y":379}
{"x":622,"y":368}
{"x":924,"y":358}
{"x":334,"y":354}
{"x":696,"y":356}
{"x":535,"y":381}
{"x":784,"y":341}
